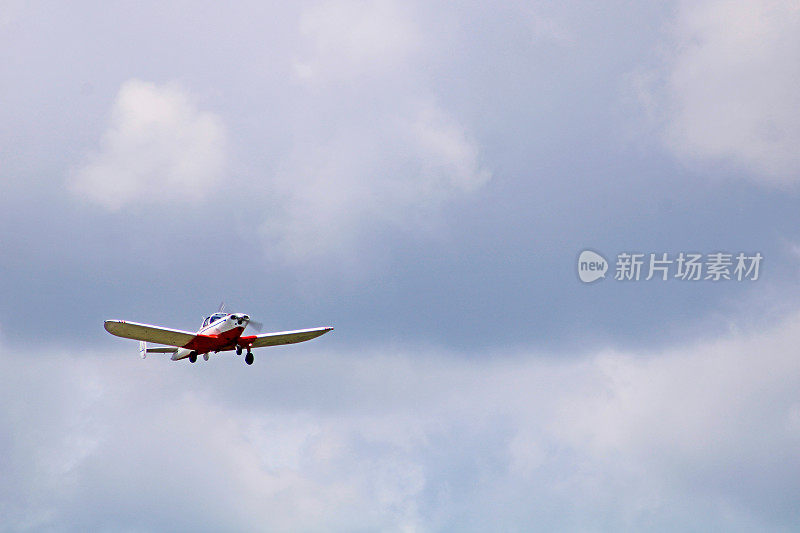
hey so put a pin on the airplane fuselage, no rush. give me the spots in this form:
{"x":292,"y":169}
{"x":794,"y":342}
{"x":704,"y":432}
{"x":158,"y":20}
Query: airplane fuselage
{"x":219,"y":332}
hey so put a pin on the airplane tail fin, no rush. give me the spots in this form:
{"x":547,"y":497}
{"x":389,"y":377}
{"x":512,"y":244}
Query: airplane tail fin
{"x":143,"y":349}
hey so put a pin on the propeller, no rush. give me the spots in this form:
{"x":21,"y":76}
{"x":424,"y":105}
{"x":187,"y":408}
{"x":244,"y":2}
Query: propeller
{"x":241,"y":317}
{"x":255,"y":324}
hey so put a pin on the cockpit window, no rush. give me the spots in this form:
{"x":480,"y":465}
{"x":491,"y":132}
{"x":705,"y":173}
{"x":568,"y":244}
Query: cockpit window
{"x":213,"y":318}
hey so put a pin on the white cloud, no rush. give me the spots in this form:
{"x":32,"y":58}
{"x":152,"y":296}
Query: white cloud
{"x":372,"y":147}
{"x":353,"y":38}
{"x":730,"y":86}
{"x":159,"y":148}
{"x":700,"y":437}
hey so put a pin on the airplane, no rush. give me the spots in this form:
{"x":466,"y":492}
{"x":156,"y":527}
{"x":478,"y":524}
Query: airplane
{"x":220,"y":332}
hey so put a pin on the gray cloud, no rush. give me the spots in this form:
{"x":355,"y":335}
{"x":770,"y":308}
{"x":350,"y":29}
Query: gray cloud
{"x":371,"y":147}
{"x":473,"y":149}
{"x":369,"y":173}
{"x":701,"y":436}
{"x":334,"y":193}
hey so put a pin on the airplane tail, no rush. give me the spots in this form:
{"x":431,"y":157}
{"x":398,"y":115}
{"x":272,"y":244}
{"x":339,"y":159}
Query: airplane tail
{"x":143,"y":349}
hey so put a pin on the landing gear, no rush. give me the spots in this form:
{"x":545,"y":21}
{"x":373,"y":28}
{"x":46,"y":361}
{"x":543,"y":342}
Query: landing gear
{"x":193,"y":357}
{"x":205,"y":356}
{"x":249,"y":358}
{"x":238,"y":350}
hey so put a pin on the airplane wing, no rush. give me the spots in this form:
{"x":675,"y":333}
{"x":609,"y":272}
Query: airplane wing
{"x":285,"y":337}
{"x":148,"y":333}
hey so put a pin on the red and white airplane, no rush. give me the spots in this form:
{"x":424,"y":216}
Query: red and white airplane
{"x":220,"y":332}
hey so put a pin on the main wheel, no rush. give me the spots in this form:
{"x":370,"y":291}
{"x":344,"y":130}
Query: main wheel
{"x":238,"y":350}
{"x":193,"y":358}
{"x":248,"y":358}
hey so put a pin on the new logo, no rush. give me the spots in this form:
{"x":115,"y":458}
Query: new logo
{"x":591,"y":266}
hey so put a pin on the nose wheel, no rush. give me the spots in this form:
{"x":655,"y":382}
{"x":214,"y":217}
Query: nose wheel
{"x":192,"y":357}
{"x":249,"y":358}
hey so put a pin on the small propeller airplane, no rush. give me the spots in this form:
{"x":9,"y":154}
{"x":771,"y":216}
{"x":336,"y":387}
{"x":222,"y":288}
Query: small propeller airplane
{"x":220,"y":332}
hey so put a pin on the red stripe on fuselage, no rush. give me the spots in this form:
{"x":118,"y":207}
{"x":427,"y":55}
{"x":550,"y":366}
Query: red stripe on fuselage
{"x":215,"y":343}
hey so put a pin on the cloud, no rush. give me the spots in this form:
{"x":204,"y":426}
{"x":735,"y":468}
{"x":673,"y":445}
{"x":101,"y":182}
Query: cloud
{"x":159,"y":148}
{"x":352,"y":38}
{"x":394,"y":173}
{"x":547,"y":29}
{"x":728,"y":90}
{"x":699,"y":437}
{"x":373,"y":150}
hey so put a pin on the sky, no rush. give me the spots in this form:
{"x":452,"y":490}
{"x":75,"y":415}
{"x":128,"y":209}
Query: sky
{"x":422,"y":176}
